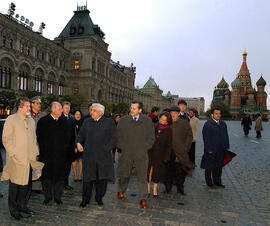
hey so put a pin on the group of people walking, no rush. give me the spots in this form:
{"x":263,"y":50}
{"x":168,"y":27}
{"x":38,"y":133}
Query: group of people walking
{"x":247,"y":123}
{"x":159,"y":148}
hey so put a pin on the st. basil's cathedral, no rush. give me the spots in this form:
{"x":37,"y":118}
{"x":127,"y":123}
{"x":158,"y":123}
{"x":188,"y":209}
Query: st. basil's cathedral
{"x":242,"y":98}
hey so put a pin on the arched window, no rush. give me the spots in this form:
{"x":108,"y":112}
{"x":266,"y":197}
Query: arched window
{"x":23,"y":77}
{"x":61,"y":86}
{"x":51,"y":82}
{"x":5,"y":77}
{"x":38,"y":80}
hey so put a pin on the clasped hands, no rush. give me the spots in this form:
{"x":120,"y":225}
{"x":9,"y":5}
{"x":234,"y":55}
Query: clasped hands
{"x":79,"y":147}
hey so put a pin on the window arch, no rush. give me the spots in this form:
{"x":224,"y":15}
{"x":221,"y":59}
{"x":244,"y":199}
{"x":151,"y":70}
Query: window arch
{"x":23,"y":77}
{"x":51,"y":83}
{"x":38,"y":80}
{"x":61,"y":86}
{"x":6,"y":67}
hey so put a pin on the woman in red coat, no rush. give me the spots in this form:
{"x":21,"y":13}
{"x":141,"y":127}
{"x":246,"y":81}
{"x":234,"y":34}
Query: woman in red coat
{"x":159,"y":154}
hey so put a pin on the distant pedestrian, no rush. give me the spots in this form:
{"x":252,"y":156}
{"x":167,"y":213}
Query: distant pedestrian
{"x":135,"y":136}
{"x":182,"y":104}
{"x":19,"y":139}
{"x":154,"y":114}
{"x":160,"y":152}
{"x":258,"y":126}
{"x":53,"y":141}
{"x":78,"y":155}
{"x":96,"y":140}
{"x":179,"y":165}
{"x":194,"y":123}
{"x":216,"y":142}
{"x":246,"y":123}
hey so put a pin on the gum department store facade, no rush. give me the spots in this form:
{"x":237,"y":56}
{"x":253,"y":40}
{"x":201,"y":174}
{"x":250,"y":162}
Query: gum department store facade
{"x":77,"y":62}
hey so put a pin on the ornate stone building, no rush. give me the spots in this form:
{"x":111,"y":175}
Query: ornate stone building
{"x":93,"y":75}
{"x":76,"y":62}
{"x":243,"y":98}
{"x":151,"y":95}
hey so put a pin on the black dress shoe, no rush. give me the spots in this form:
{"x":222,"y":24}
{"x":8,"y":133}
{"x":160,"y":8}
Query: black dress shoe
{"x":28,"y":211}
{"x":17,"y":216}
{"x":1,"y":196}
{"x":181,"y":190}
{"x":99,"y":201}
{"x":220,"y":185}
{"x":83,"y":204}
{"x":46,"y":201}
{"x":67,"y":187}
{"x":58,"y":201}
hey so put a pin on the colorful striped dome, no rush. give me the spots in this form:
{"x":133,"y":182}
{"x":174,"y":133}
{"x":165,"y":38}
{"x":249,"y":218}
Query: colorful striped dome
{"x":222,"y":84}
{"x":236,"y":83}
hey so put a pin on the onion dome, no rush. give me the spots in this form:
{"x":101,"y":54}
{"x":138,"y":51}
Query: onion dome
{"x":222,"y":84}
{"x":261,"y":82}
{"x":236,"y":83}
{"x":251,"y":90}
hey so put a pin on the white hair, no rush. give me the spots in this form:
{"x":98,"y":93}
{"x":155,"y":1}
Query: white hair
{"x":100,"y":107}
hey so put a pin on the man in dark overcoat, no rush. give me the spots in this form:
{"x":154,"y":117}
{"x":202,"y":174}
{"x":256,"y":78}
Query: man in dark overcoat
{"x":136,"y":135}
{"x":179,"y":165}
{"x":71,"y":144}
{"x":96,"y":139}
{"x":53,"y":145}
{"x":246,"y":123}
{"x":216,"y":142}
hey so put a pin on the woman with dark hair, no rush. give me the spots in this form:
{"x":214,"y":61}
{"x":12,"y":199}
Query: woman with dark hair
{"x":116,"y":118}
{"x":194,"y":123}
{"x":78,"y":158}
{"x":160,"y":152}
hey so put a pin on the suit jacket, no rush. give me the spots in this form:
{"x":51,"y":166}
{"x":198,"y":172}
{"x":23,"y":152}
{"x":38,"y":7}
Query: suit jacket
{"x":19,"y":140}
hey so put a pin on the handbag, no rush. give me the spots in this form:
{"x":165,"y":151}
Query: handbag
{"x":228,"y":156}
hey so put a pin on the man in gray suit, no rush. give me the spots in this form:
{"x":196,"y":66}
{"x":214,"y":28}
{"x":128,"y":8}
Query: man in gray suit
{"x":135,"y":136}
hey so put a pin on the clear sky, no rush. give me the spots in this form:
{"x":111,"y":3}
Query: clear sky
{"x":186,"y":45}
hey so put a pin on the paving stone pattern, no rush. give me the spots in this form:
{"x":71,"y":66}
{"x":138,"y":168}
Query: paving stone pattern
{"x":244,"y":201}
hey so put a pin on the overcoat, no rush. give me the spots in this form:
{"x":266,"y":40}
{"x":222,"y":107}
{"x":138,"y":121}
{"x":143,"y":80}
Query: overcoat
{"x":160,"y":153}
{"x":216,"y":140}
{"x":53,"y":143}
{"x":135,"y":138}
{"x":194,"y":123}
{"x":98,"y":139}
{"x":19,"y":140}
{"x":258,"y":124}
{"x":246,"y":123}
{"x":181,"y":142}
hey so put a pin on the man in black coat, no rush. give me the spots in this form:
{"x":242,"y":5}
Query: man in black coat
{"x":53,"y":147}
{"x":246,"y":123}
{"x":71,"y":144}
{"x":96,"y":139}
{"x":216,"y":142}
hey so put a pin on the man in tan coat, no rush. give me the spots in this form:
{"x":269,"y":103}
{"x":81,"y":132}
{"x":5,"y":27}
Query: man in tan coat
{"x":19,"y":140}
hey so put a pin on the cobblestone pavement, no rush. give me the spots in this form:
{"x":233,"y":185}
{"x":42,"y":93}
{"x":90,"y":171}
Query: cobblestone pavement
{"x":244,"y":201}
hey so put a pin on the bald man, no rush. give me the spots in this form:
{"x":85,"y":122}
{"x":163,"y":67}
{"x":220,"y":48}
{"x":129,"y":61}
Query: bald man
{"x":53,"y":145}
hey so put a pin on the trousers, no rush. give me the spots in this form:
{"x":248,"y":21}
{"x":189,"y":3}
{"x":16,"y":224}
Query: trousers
{"x":100,"y":186}
{"x":52,"y":189}
{"x":18,"y":196}
{"x":213,"y":176}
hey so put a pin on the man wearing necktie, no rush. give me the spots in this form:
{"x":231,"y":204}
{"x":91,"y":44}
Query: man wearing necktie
{"x":53,"y":141}
{"x":216,"y":142}
{"x":19,"y":140}
{"x":135,"y":136}
{"x":71,"y":145}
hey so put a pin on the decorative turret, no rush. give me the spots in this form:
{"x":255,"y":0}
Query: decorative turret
{"x":223,"y":84}
{"x":236,"y":83}
{"x":244,"y":75}
{"x":251,"y":91}
{"x":261,"y":82}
